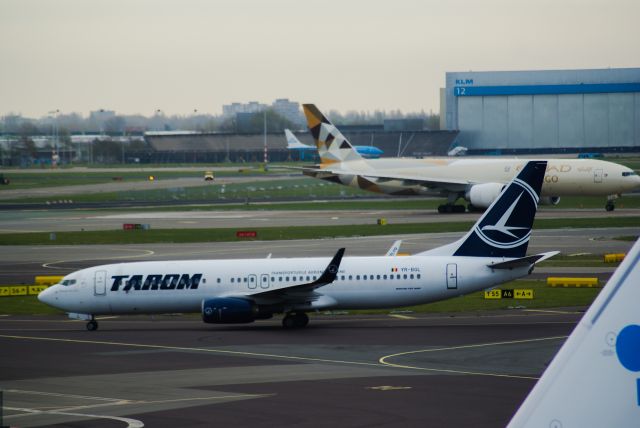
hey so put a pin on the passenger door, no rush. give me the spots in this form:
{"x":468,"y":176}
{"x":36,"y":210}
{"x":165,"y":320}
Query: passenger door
{"x":597,"y":176}
{"x":100,"y":283}
{"x":264,"y":281}
{"x":452,"y":276}
{"x":252,"y":282}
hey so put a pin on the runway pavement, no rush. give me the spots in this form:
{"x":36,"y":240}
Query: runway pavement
{"x":123,"y":186}
{"x":412,"y":370}
{"x":77,"y":220}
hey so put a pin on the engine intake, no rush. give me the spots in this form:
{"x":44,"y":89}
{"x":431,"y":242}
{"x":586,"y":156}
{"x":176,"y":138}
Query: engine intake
{"x":549,"y":200}
{"x":229,"y":310}
{"x":483,"y":195}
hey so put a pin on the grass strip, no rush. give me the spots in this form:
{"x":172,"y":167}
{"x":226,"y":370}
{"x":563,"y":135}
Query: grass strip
{"x":544,"y":297}
{"x":282,"y":233}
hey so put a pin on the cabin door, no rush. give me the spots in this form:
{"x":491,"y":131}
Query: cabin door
{"x":597,"y":176}
{"x":252,"y":282}
{"x":264,"y":280}
{"x":452,"y":276}
{"x":100,"y":283}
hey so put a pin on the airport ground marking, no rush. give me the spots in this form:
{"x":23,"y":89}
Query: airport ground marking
{"x":205,"y":350}
{"x":145,"y":253}
{"x":402,"y":317}
{"x":550,"y":311}
{"x":120,"y":401}
{"x":382,"y":363}
{"x":383,"y":359}
{"x":131,"y":423}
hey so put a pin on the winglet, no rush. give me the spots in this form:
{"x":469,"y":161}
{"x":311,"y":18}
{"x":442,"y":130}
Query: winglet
{"x":331,"y":272}
{"x":395,"y":247}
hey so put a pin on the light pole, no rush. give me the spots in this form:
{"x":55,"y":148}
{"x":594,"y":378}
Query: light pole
{"x":158,"y":120}
{"x":265,"y":139}
{"x":55,"y":157}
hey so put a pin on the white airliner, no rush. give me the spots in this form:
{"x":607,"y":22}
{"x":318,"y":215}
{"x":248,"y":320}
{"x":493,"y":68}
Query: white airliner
{"x":594,"y":380}
{"x":240,"y":291}
{"x":477,"y":180}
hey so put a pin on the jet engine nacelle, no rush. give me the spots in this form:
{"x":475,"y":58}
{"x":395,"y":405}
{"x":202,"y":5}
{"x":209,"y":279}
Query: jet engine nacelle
{"x":483,"y":195}
{"x":229,"y":310}
{"x":549,"y":200}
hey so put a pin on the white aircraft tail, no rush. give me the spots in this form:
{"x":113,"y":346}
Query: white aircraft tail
{"x":332,"y":146}
{"x":293,"y":142}
{"x":594,"y":380}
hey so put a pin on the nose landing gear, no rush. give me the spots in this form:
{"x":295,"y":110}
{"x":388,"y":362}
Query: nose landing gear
{"x":92,"y":325}
{"x":611,"y":205}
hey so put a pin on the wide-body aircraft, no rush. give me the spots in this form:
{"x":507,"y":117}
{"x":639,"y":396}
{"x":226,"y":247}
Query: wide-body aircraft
{"x":476,"y":180}
{"x":241,"y":291}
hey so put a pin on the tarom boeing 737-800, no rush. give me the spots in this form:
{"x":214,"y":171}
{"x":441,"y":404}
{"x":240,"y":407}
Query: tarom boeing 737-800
{"x":245,"y":290}
{"x":476,"y":180}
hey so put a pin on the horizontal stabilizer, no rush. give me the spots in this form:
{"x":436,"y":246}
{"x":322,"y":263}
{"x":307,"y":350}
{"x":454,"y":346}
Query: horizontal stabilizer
{"x":523,"y":261}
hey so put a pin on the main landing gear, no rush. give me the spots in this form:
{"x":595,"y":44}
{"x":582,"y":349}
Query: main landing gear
{"x":92,"y":325}
{"x":295,"y":320}
{"x":451,"y":209}
{"x":611,"y":202}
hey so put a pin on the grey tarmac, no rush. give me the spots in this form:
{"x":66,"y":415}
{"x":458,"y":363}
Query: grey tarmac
{"x":419,"y":370}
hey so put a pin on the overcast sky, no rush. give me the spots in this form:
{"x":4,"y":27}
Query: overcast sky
{"x":137,"y":56}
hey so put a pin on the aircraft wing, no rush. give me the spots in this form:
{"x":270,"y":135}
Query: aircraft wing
{"x":380,"y":177}
{"x":302,"y":292}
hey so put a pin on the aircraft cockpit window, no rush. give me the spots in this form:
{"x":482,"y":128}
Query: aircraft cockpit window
{"x":68,"y":282}
{"x":628,"y":173}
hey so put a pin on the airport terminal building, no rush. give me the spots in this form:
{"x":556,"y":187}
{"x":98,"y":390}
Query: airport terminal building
{"x":508,"y":112}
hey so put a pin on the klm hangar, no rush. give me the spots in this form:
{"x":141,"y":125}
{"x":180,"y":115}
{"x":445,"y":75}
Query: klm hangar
{"x":551,"y":111}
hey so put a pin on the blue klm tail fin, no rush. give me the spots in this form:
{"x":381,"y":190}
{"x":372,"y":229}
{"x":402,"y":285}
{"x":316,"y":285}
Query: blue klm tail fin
{"x":505,"y":228}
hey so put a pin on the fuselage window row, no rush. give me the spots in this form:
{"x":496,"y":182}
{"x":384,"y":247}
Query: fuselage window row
{"x":378,"y":277}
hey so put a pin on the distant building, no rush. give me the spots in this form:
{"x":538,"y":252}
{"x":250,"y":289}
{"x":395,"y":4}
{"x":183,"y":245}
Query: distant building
{"x":98,"y":118}
{"x":413,"y":124}
{"x":250,"y":107}
{"x":290,"y":110}
{"x":544,"y":111}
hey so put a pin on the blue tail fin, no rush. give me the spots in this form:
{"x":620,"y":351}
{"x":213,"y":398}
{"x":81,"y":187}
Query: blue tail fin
{"x":505,"y":228}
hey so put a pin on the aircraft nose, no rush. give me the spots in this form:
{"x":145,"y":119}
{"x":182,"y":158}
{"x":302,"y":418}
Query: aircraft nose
{"x":46,"y":295}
